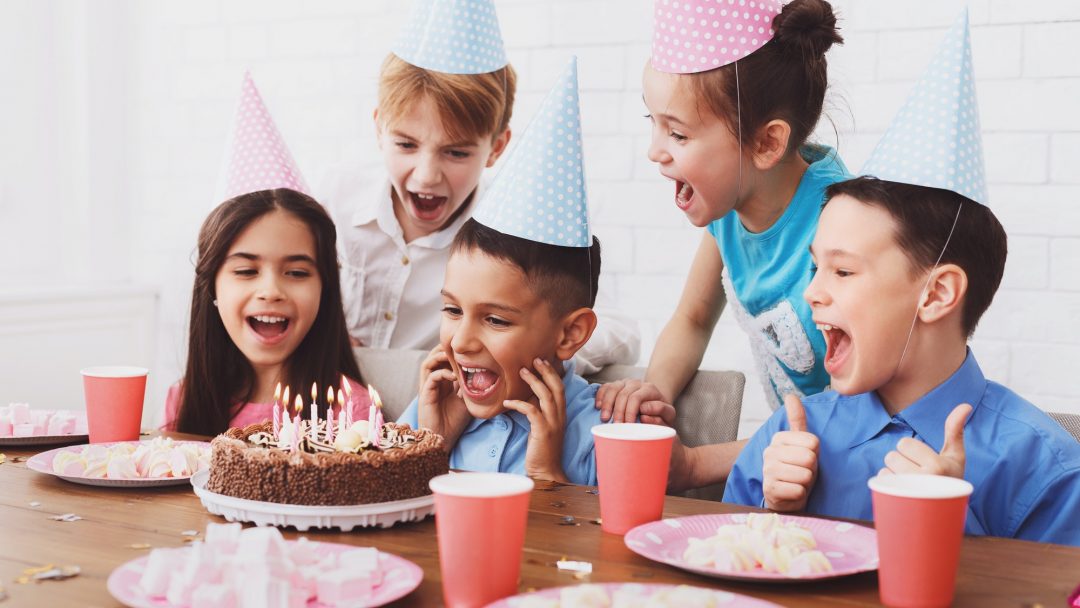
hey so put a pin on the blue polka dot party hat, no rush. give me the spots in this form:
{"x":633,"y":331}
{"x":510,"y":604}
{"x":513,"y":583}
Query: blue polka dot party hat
{"x":539,"y":194}
{"x":453,"y":36}
{"x":934,"y":140}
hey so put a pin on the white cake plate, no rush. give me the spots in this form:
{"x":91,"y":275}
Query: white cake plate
{"x":303,"y":517}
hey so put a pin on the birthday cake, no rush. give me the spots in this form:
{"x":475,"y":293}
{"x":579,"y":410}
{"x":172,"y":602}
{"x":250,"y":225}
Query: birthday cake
{"x":360,"y":465}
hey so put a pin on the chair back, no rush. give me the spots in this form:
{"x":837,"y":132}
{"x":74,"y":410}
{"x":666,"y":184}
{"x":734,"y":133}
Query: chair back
{"x":1071,"y":422}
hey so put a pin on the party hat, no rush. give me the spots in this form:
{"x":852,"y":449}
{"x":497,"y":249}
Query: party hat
{"x":256,"y":157}
{"x":539,"y":194}
{"x":453,"y":36}
{"x":934,"y":140}
{"x":698,"y":35}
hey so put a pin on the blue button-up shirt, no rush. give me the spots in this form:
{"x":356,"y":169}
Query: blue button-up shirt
{"x":498,"y":444}
{"x":1025,"y":467}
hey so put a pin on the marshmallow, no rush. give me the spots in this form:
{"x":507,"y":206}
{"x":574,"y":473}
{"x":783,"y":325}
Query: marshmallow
{"x":214,"y":596}
{"x":341,"y":586}
{"x":20,"y":413}
{"x":159,"y":569}
{"x":26,"y":429}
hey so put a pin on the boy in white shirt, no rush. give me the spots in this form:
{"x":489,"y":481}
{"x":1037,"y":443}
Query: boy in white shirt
{"x":443,"y":116}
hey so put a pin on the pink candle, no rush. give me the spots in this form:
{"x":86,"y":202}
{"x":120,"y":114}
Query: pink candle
{"x":277,"y":420}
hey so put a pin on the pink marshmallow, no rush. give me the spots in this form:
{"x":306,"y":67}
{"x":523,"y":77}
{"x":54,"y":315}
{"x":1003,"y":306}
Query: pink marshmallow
{"x":5,"y":425}
{"x":345,"y":586}
{"x":61,"y":424}
{"x":20,"y":413}
{"x":213,"y":596}
{"x":26,"y":429}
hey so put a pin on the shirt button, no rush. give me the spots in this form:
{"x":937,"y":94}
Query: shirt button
{"x":404,"y":260}
{"x":389,"y":316}
{"x":493,"y":452}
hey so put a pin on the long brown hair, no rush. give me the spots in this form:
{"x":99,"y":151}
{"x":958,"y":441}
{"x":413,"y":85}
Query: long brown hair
{"x":219,"y":377}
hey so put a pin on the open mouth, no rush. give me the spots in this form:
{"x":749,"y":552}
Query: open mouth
{"x":478,"y":382}
{"x":427,"y":207}
{"x":270,"y":328}
{"x":837,"y":347}
{"x":684,"y":193}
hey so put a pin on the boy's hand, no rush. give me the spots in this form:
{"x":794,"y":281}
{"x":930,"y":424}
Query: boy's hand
{"x":623,"y":400}
{"x":543,"y":454}
{"x":681,"y":470}
{"x":790,"y":462}
{"x":914,"y":456}
{"x":440,"y":407}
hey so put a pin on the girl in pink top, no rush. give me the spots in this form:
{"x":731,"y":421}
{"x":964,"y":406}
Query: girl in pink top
{"x":265,"y":309}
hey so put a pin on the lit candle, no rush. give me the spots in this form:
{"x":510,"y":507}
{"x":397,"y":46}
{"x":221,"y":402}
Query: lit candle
{"x":344,"y":408}
{"x":330,"y":415}
{"x":277,"y":409}
{"x":313,"y":432}
{"x":298,"y":421}
{"x":341,"y":421}
{"x":374,"y":416}
{"x":348,"y":396}
{"x":285,"y":403}
{"x":284,"y":440}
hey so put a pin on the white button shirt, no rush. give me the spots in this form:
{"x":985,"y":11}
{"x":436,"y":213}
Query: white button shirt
{"x":390,"y":288}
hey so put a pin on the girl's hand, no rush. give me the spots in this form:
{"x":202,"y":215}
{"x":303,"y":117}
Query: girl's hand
{"x":624,"y":400}
{"x":440,"y":407}
{"x":543,"y":455}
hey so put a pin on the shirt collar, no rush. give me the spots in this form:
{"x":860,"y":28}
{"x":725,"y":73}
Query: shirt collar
{"x":521,"y":420}
{"x":926,"y":416}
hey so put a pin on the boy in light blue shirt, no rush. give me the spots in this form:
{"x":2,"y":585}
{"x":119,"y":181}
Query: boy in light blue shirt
{"x":517,"y":305}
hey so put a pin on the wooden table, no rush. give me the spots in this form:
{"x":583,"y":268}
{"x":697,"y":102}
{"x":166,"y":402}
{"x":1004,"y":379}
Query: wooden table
{"x":993,"y":572}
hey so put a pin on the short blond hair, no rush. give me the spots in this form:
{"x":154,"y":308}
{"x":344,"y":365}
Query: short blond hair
{"x":470,"y":105}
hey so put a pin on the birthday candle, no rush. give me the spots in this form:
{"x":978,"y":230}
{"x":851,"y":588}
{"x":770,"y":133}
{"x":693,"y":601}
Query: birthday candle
{"x":341,"y":421}
{"x":348,"y":396}
{"x":298,"y":421}
{"x":330,"y":415}
{"x":344,"y":408}
{"x":277,"y":410}
{"x":374,"y":416}
{"x":313,"y":432}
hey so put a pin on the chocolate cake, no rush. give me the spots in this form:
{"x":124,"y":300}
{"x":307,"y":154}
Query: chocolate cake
{"x":246,"y":463}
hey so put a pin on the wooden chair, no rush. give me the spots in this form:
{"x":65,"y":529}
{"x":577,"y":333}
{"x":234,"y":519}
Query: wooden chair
{"x":709,"y":408}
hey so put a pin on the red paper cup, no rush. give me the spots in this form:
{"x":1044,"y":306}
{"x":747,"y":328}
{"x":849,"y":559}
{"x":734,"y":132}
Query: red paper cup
{"x":114,"y":402}
{"x":480,"y":522}
{"x":920,"y":523}
{"x":632,"y":463}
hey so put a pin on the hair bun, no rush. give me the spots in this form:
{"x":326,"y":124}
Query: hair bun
{"x":808,"y":26}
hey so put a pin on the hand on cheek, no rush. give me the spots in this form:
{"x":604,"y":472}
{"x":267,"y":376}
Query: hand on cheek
{"x":547,"y":419}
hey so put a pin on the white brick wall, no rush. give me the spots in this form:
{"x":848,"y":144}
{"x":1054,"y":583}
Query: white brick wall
{"x":316,"y":63}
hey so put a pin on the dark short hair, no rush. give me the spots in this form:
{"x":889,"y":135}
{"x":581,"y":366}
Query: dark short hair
{"x":565,"y":277}
{"x":924,"y":217}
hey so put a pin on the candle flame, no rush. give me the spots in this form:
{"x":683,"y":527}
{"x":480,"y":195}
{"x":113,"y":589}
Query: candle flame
{"x":340,"y":397}
{"x":299,"y":404}
{"x":277,"y":392}
{"x":285,"y":398}
{"x":330,"y":395}
{"x":348,"y":389}
{"x":374,"y":394}
{"x":314,"y":392}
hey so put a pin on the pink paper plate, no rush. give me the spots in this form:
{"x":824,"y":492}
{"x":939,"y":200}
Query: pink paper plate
{"x":400,"y":577}
{"x":638,"y":590}
{"x":42,"y":463}
{"x":850,"y":548}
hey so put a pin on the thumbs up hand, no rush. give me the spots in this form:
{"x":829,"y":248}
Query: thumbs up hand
{"x":914,"y":456}
{"x":790,"y":462}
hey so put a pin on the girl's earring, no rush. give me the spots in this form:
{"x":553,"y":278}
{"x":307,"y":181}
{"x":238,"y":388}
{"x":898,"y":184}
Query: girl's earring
{"x":215,"y":302}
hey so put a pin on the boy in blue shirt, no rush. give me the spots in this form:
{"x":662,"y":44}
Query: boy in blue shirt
{"x":906,"y":266}
{"x":517,"y":305}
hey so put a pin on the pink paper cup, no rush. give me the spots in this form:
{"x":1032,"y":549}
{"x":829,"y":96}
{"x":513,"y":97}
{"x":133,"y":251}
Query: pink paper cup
{"x":114,"y":402}
{"x":480,"y":523}
{"x":920,"y":523}
{"x":632,"y":462}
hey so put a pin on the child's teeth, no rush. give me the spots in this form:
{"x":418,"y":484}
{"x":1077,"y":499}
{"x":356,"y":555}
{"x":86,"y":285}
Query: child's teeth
{"x":266,"y":319}
{"x":824,"y":327}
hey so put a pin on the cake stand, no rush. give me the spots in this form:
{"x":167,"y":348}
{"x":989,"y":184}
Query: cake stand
{"x":304,"y":517}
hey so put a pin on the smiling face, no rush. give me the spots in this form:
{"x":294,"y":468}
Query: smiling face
{"x":693,"y":147}
{"x":432,"y":176}
{"x":493,"y":325}
{"x":863,"y":295}
{"x":268,"y":290}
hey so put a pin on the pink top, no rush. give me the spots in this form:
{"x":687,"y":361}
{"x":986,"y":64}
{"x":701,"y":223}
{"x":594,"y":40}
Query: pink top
{"x":253,"y":413}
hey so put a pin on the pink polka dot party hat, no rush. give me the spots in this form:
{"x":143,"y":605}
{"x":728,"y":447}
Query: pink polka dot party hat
{"x":697,"y":35}
{"x":256,"y":157}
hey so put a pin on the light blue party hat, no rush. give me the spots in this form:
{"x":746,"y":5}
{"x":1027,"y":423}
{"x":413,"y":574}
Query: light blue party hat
{"x":453,"y":36}
{"x":539,"y":194}
{"x":934,"y":140}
